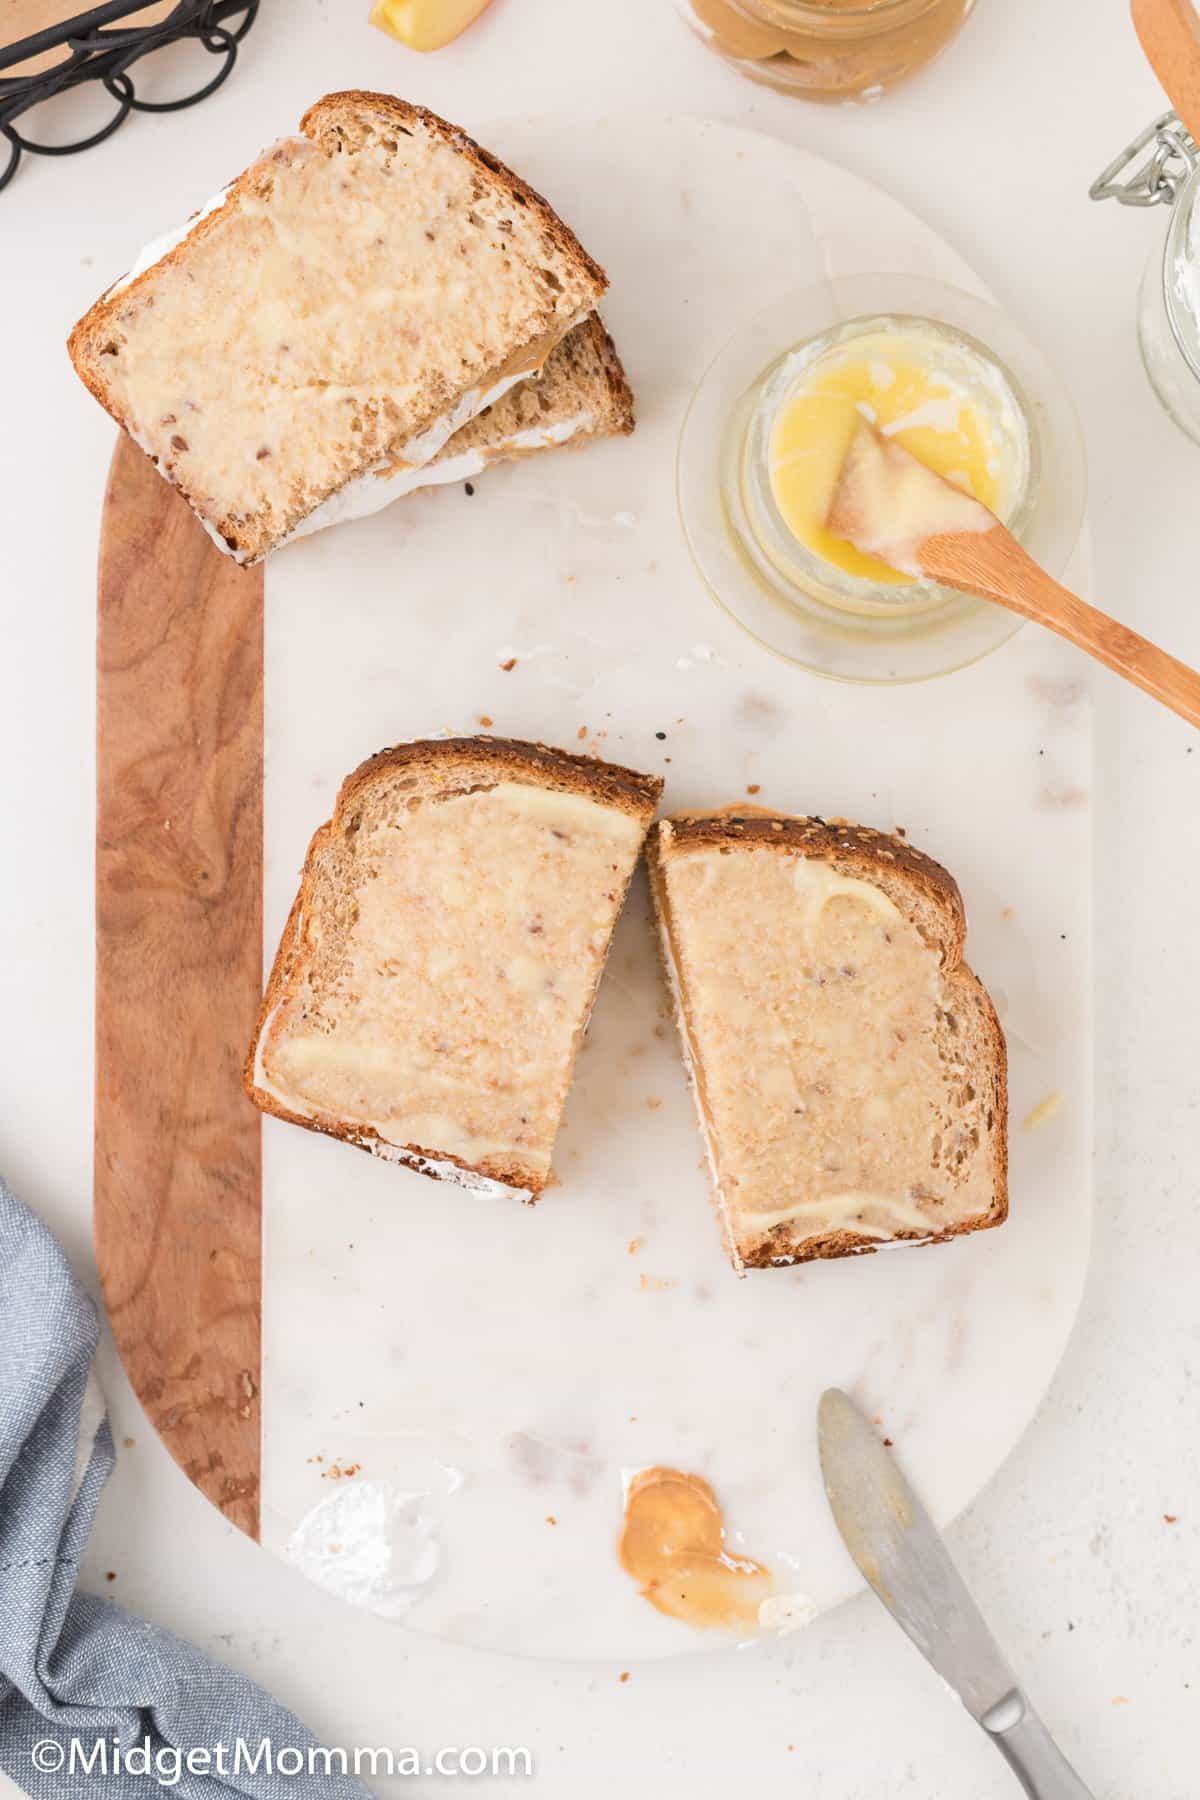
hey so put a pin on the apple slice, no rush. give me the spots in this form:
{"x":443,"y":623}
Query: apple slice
{"x":425,"y":24}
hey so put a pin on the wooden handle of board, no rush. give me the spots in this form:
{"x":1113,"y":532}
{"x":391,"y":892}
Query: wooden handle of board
{"x":179,"y":745}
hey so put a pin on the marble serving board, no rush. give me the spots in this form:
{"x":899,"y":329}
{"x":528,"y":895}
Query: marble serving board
{"x":455,"y":1388}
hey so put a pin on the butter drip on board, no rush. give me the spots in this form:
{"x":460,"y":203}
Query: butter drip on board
{"x":673,"y":1544}
{"x":932,"y":395}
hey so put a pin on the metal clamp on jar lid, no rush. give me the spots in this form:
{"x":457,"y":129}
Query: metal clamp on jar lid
{"x":1160,"y":168}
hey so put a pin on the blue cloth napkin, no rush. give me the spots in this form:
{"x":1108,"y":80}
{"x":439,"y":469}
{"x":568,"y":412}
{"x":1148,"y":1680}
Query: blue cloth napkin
{"x":76,"y":1667}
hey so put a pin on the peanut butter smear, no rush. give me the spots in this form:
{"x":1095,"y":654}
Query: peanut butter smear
{"x":673,"y":1544}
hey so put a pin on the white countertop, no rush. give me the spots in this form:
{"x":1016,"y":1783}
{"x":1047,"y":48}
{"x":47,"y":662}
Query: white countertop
{"x":1094,"y":1594}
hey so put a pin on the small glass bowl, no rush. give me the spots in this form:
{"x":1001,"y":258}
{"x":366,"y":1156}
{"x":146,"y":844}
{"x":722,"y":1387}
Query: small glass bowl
{"x":848,"y":628}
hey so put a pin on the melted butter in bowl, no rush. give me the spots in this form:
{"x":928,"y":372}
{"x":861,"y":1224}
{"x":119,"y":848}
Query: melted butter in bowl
{"x":952,"y":381}
{"x":931,"y":389}
{"x":673,"y":1544}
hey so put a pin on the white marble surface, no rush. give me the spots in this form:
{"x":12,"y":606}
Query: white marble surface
{"x":428,"y":1359}
{"x":1093,"y":1592}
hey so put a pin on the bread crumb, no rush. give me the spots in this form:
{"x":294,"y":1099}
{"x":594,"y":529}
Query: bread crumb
{"x":581,"y":733}
{"x":1008,"y":912}
{"x":635,"y":1244}
{"x":550,"y":1519}
{"x":624,"y":1675}
{"x":484,"y":720}
{"x":510,"y":665}
{"x":754,"y":788}
{"x":655,"y":1284}
{"x":1120,"y":1699}
{"x":111,"y":1575}
{"x":653,"y":1102}
{"x":1170,"y":1518}
{"x":340,"y":1471}
{"x":128,"y":1443}
{"x":1045,"y":1110}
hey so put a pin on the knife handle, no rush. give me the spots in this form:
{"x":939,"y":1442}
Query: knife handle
{"x":1035,"y":1759}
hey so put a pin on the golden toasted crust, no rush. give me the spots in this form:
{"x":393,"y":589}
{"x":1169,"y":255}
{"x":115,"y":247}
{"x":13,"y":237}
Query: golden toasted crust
{"x":321,"y":117}
{"x":855,"y":850}
{"x":506,"y":759}
{"x":320,"y":122}
{"x":583,"y":370}
{"x":929,"y":895}
{"x":464,"y":763}
{"x":621,"y":412}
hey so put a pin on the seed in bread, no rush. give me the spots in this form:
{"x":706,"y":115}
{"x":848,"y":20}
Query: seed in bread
{"x":348,"y":302}
{"x":437,"y":971}
{"x":849,"y":1069}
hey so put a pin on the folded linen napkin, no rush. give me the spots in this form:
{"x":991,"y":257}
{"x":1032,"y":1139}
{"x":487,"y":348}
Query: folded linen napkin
{"x":74,"y":1666}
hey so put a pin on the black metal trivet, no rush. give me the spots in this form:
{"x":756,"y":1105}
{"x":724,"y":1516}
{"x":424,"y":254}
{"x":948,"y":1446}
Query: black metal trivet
{"x":99,"y":50}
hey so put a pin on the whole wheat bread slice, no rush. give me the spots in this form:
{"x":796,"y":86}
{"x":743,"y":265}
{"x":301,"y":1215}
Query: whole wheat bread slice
{"x":437,"y":970}
{"x":352,"y":299}
{"x":849,"y":1069}
{"x":581,"y":392}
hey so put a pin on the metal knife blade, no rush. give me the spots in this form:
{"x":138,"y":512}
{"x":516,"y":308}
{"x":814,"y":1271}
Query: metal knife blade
{"x":896,"y":1546}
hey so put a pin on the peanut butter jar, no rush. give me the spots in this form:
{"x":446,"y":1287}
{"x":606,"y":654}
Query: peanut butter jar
{"x":827,"y":49}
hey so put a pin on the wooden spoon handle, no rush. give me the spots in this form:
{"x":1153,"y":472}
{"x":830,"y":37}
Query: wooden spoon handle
{"x":993,"y":564}
{"x":1169,"y":33}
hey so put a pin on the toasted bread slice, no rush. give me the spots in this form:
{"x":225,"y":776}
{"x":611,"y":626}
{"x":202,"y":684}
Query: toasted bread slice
{"x":350,"y":301}
{"x":437,"y":970}
{"x":581,"y":392}
{"x":849,"y":1069}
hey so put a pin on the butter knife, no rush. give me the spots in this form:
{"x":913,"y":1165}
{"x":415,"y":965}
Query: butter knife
{"x":893,"y":1540}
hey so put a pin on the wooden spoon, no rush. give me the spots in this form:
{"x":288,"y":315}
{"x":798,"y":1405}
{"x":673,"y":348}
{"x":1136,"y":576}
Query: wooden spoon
{"x":1169,"y":33}
{"x":888,"y":504}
